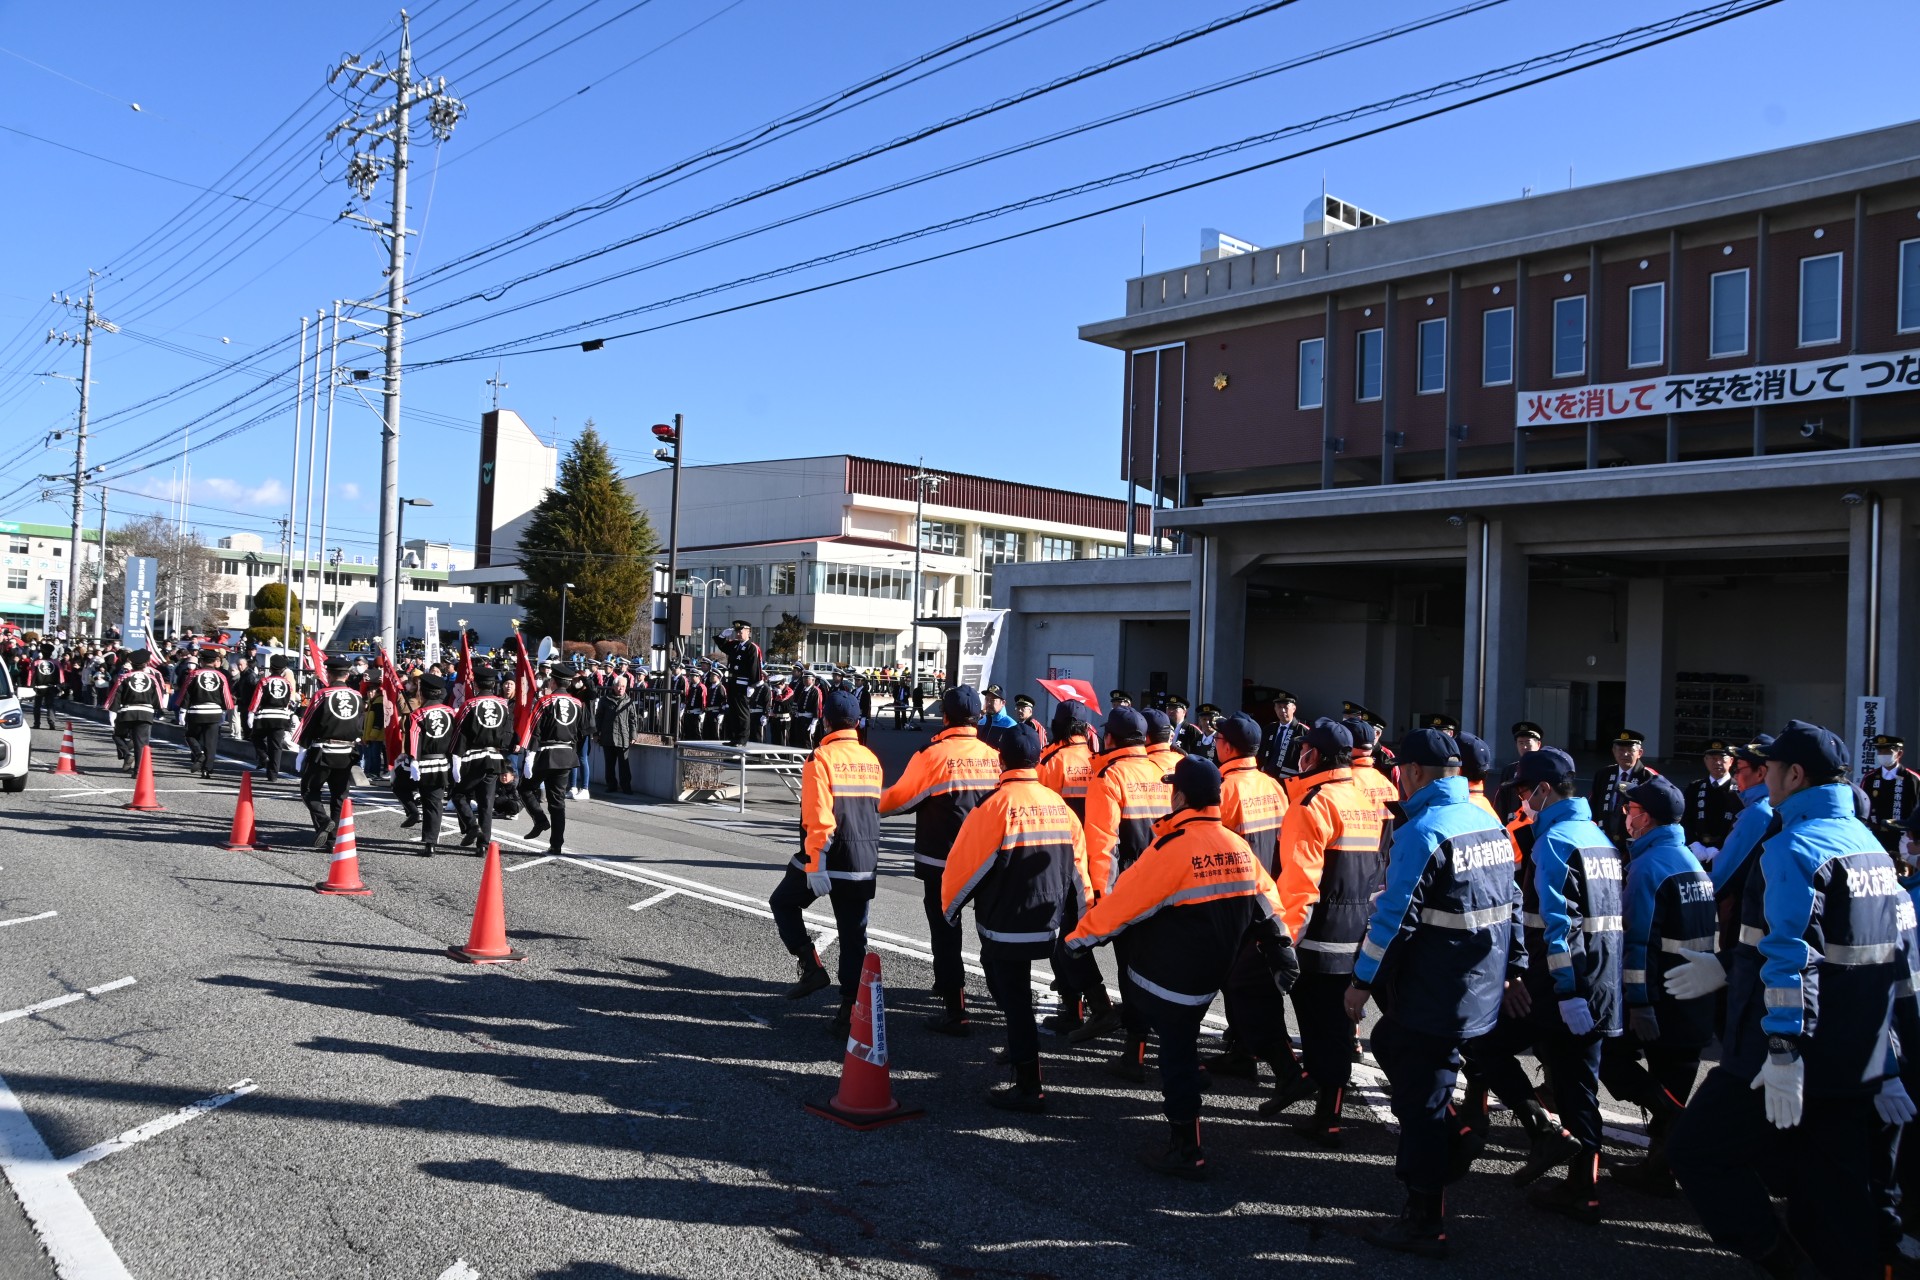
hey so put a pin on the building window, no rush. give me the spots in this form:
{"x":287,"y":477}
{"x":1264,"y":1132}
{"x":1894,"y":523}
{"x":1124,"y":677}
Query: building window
{"x":1312,"y":372}
{"x":329,"y":608}
{"x":1820,"y":300}
{"x":16,"y":579}
{"x":997,"y":547}
{"x":230,"y":567}
{"x":16,"y":545}
{"x":221,"y":601}
{"x":852,"y":648}
{"x":1646,"y":325}
{"x":58,"y":550}
{"x":1059,"y":548}
{"x":782,"y":579}
{"x":425,"y":584}
{"x":1496,"y":347}
{"x":861,"y":580}
{"x":1108,"y":551}
{"x":1570,"y":336}
{"x":1910,"y":286}
{"x":943,"y":538}
{"x":1727,"y":318}
{"x":1433,"y":357}
{"x":1369,"y":344}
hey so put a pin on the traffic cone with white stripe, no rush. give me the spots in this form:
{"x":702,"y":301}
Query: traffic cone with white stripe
{"x":865,"y":1100}
{"x":67,"y":763}
{"x":343,"y":874}
{"x":487,"y":940}
{"x":243,"y":836}
{"x":144,"y":798}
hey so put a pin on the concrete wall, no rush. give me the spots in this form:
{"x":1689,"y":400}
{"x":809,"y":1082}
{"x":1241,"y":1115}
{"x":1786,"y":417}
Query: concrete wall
{"x":1090,"y":609}
{"x":734,"y":505}
{"x":525,"y":467}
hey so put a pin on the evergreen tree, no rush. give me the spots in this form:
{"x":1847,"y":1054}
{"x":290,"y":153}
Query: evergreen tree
{"x":588,"y":532}
{"x":267,"y":620}
{"x":784,"y":644}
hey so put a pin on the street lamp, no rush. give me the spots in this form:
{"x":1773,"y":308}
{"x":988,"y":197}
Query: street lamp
{"x":400,"y":541}
{"x":706,"y":598}
{"x":338,"y":558}
{"x":564,"y":588}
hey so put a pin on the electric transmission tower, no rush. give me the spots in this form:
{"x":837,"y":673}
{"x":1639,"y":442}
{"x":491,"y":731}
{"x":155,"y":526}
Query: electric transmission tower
{"x":377,"y":136}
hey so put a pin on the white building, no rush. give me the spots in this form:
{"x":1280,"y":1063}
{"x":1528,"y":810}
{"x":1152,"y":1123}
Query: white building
{"x":516,"y":470}
{"x":35,"y":554}
{"x":338,"y":594}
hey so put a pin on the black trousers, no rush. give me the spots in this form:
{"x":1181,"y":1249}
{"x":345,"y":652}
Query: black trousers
{"x":320,"y":775}
{"x":851,"y":900}
{"x":43,"y":702}
{"x":800,"y":732}
{"x":1648,"y":1075}
{"x":406,"y":792}
{"x":130,"y":738}
{"x":1421,"y":1069}
{"x":1178,"y":1026}
{"x":949,"y":972}
{"x":736,"y":728}
{"x":1326,"y":1032}
{"x":1074,"y":972}
{"x":617,"y":775}
{"x":1256,"y":1011}
{"x":1728,"y":1157}
{"x":431,"y":791}
{"x":1493,"y":1060}
{"x":690,"y":725}
{"x":203,"y":740}
{"x":1573,"y":1064}
{"x":477,"y":790}
{"x":1010,"y":983}
{"x":266,"y":746}
{"x":551,"y":786}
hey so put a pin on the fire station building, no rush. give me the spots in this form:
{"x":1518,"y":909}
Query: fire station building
{"x":1643,"y":454}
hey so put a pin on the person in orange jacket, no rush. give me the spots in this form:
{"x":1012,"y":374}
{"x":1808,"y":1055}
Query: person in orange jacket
{"x":1185,"y":908}
{"x":840,"y":816}
{"x":1160,"y":748}
{"x":1251,"y":806}
{"x":1126,"y":797}
{"x":942,"y":784}
{"x":1066,"y":766}
{"x":1020,"y":858}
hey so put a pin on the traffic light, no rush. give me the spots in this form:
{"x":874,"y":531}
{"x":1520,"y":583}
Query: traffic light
{"x":668,"y":436}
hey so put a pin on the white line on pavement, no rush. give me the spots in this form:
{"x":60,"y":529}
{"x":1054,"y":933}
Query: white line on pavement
{"x":192,"y":1111}
{"x":44,"y":915}
{"x":73,"y":1239}
{"x":531,"y":862}
{"x":661,"y":896}
{"x":69,"y":998}
{"x":460,"y":1270}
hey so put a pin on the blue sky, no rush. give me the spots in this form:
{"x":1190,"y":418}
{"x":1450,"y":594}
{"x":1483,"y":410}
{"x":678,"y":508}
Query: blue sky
{"x":972,"y":361}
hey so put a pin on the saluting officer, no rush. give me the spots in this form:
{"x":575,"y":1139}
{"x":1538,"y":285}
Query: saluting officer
{"x":133,"y":704}
{"x":328,"y":740}
{"x":481,"y":741}
{"x":204,"y":705}
{"x":1712,"y":803}
{"x":1608,"y":798}
{"x":429,"y":739}
{"x":1893,"y":788}
{"x":271,"y":712}
{"x":552,"y":750}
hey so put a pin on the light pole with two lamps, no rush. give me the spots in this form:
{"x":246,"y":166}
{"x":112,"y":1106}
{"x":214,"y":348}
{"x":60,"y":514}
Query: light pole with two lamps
{"x":400,"y":550}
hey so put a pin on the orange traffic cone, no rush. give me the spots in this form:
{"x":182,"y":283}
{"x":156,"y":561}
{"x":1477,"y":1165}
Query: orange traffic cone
{"x":343,"y":874}
{"x":242,"y":836}
{"x":143,"y":797}
{"x":865,"y":1100}
{"x":67,"y":764}
{"x":487,"y":941}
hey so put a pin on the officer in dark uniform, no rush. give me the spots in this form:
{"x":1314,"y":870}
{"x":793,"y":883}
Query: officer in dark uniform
{"x":1608,"y":796}
{"x":271,"y":712}
{"x":204,"y":705}
{"x":1441,"y":721}
{"x":1507,"y":795}
{"x":691,"y":693}
{"x":1280,"y":752}
{"x":481,"y":741}
{"x":716,"y":702}
{"x":809,"y":700}
{"x":429,"y":737}
{"x":552,"y":749}
{"x":745,"y":669}
{"x":1119,"y":698}
{"x":133,"y":704}
{"x":1893,"y":788}
{"x":328,"y":740}
{"x":45,"y":675}
{"x":1712,"y":803}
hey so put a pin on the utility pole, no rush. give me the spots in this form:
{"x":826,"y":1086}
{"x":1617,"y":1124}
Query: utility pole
{"x":100,"y":575}
{"x":393,"y":126}
{"x":293,"y":488}
{"x":923,"y":483}
{"x":90,"y":320}
{"x":669,"y":438}
{"x":498,"y":385}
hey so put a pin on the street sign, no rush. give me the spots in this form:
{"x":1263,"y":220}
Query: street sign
{"x":136,"y":617}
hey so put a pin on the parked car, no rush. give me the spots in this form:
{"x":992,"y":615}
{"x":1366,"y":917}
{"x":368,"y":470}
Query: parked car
{"x":15,"y":737}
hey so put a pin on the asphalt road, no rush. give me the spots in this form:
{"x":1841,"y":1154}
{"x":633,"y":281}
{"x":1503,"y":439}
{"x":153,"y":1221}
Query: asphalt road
{"x":626,"y":1103}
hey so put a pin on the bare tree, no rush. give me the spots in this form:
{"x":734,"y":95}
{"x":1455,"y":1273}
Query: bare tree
{"x":182,"y":594}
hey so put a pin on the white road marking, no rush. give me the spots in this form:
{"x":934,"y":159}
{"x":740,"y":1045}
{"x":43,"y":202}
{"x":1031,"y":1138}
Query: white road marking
{"x":661,"y":896}
{"x":69,"y":998}
{"x":66,"y":1227}
{"x":193,"y":1111}
{"x":752,"y":1017}
{"x":44,"y":915}
{"x":531,"y":862}
{"x":460,"y":1270}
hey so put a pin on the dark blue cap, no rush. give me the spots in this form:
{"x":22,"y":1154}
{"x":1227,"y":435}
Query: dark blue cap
{"x":1159,"y":726}
{"x":1433,"y":748}
{"x":1020,"y":747}
{"x":1660,"y":798}
{"x":1360,"y":732}
{"x":960,"y":704}
{"x":1126,"y":725}
{"x":842,"y":710}
{"x":1197,"y":780}
{"x":1241,"y":732}
{"x":1819,"y":751}
{"x":1068,"y":716}
{"x":1328,"y":736}
{"x":1476,"y":757}
{"x":1754,"y":752}
{"x":1548,"y":764}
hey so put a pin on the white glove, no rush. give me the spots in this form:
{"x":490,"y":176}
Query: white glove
{"x":300,"y":762}
{"x":526,"y":765}
{"x":1906,"y":846}
{"x":453,"y":768}
{"x":1701,"y":975}
{"x":1893,"y":1102}
{"x":1575,"y":1012}
{"x":413,"y":770}
{"x":819,"y":883}
{"x":1784,"y":1083}
{"x":1703,"y":852}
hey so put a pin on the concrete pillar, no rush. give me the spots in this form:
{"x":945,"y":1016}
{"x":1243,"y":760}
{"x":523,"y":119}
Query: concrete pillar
{"x":1899,"y":617}
{"x":1473,"y":716}
{"x":1649,"y":664}
{"x":1217,"y":638}
{"x":1506,"y":665}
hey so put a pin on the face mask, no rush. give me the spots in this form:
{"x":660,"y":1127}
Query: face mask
{"x":1884,"y":759}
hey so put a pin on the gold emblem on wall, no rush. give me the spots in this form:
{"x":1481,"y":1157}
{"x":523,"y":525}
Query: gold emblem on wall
{"x":1219,"y":382}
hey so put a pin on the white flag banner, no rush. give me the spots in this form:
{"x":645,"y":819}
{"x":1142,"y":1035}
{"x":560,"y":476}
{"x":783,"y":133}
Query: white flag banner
{"x":1869,"y":722}
{"x":433,"y":634}
{"x":1866,"y":374}
{"x":979,"y":641}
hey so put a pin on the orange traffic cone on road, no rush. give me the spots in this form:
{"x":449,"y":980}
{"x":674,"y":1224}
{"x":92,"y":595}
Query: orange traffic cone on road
{"x":865,"y":1100}
{"x":143,"y":797}
{"x":242,"y":836}
{"x":487,"y":941}
{"x":67,"y":763}
{"x":343,"y":874}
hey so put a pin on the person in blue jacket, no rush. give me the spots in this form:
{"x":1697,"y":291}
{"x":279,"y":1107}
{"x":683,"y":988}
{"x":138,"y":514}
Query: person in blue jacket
{"x":995,"y":721}
{"x":1821,"y":976}
{"x":1734,"y":862}
{"x":1669,"y":909}
{"x":1435,"y":959}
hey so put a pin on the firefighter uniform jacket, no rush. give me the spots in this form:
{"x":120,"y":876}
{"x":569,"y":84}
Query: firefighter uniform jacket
{"x":1066,"y":767}
{"x":44,"y":673}
{"x":332,"y":726}
{"x":1712,"y":808}
{"x":1826,"y":953}
{"x":1187,"y":905}
{"x":1124,"y":799}
{"x":559,"y":727}
{"x":1669,"y":908}
{"x":1368,"y":777}
{"x":137,"y":695}
{"x":208,"y":694}
{"x":1020,"y":858}
{"x":429,"y":737}
{"x":840,"y":811}
{"x":483,"y":735}
{"x":942,"y":784}
{"x":1330,"y":867}
{"x":272,"y":705}
{"x":1735,"y":862}
{"x":1251,"y":806}
{"x":1573,"y":889}
{"x":1893,"y":793}
{"x":1163,"y":756}
{"x":1608,"y":798}
{"x":744,"y":660}
{"x":1438,"y":947}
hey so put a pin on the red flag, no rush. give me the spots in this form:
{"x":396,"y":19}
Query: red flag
{"x":463,"y":688}
{"x":391,"y":693}
{"x":525,"y":692}
{"x":1072,"y":691}
{"x":318,"y":659}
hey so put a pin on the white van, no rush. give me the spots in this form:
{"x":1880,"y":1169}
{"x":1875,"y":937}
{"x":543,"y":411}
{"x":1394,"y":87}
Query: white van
{"x":15,"y":737}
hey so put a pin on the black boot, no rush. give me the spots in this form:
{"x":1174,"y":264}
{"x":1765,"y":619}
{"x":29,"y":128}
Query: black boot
{"x":1323,"y":1127}
{"x":1465,"y":1140}
{"x":1070,"y":1018}
{"x":951,"y":1020}
{"x":1291,"y":1085}
{"x":1105,"y":1018}
{"x":468,"y":840}
{"x":1233,"y":1063}
{"x":1184,"y":1156}
{"x":1575,"y":1196}
{"x":1130,"y":1064}
{"x":813,"y":976}
{"x":1550,"y":1146}
{"x":1024,"y":1094}
{"x":1421,"y":1228}
{"x":842,"y":1025}
{"x":1652,"y":1176}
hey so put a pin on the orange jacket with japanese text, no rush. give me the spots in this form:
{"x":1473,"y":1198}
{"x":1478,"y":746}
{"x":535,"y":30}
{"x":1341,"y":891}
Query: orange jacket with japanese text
{"x":1124,"y":799}
{"x":1252,"y":806}
{"x":942,"y":783}
{"x":1330,"y":865}
{"x":840,"y":810}
{"x":1067,"y":767}
{"x":1020,"y":859}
